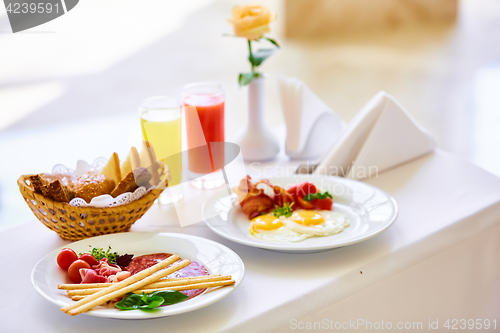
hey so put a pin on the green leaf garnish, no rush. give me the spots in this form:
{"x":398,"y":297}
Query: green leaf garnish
{"x":147,"y":302}
{"x":324,"y":195}
{"x":310,"y":197}
{"x":170,"y":296}
{"x":130,"y":302}
{"x":155,"y":302}
{"x":99,"y":253}
{"x":319,"y":195}
{"x":285,"y":210}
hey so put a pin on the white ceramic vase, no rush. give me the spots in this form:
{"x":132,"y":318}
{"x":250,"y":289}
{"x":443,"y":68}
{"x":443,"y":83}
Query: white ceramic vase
{"x":257,"y":142}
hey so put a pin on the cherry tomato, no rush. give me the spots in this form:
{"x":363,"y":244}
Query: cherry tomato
{"x":74,"y":270}
{"x":305,"y":189}
{"x":66,"y":257}
{"x":292,"y":190}
{"x":89,"y":258}
{"x":324,"y":204}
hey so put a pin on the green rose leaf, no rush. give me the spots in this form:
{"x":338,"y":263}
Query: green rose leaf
{"x":246,"y":78}
{"x":259,"y":56}
{"x":272,"y":41}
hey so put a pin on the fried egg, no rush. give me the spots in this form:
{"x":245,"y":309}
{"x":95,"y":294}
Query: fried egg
{"x":317,"y":223}
{"x":271,"y":228}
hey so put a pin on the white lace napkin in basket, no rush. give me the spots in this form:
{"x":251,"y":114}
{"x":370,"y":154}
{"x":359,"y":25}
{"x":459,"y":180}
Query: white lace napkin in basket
{"x":105,"y":200}
{"x":311,"y":126}
{"x":381,"y":136}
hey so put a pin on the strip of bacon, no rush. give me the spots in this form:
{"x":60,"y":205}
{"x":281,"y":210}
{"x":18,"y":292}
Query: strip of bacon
{"x":281,"y":197}
{"x":253,"y":201}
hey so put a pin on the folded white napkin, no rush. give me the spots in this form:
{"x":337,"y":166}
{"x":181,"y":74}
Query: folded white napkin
{"x":381,"y":136}
{"x":311,"y":126}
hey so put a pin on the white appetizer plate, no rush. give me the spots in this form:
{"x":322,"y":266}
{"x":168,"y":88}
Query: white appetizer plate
{"x":369,"y":209}
{"x":217,"y":258}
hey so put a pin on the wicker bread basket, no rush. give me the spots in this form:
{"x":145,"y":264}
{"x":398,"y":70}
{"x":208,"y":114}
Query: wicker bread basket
{"x":75,"y":223}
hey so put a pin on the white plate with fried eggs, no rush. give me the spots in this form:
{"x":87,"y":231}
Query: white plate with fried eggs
{"x":360,"y":211}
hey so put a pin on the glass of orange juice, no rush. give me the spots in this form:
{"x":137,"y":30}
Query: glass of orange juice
{"x":161,"y":127}
{"x":205,"y":124}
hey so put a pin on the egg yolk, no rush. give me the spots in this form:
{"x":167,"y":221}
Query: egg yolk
{"x":266,"y":222}
{"x":307,"y":217}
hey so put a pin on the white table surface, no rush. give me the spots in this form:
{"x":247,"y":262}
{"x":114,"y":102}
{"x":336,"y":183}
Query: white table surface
{"x":443,"y":202}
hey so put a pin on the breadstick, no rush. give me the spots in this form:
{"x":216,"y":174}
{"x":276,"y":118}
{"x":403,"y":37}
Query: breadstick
{"x":216,"y":284}
{"x":184,"y":281}
{"x":134,"y":278}
{"x":159,"y":284}
{"x":70,"y":286}
{"x":202,"y":285}
{"x":109,"y":295}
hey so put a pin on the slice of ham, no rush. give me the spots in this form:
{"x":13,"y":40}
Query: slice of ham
{"x":119,"y":277}
{"x":91,"y":276}
{"x":105,"y":263}
{"x":103,"y":272}
{"x":107,"y":271}
{"x":104,"y":268}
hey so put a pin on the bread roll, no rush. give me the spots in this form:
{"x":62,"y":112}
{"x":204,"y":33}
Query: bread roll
{"x":90,"y":186}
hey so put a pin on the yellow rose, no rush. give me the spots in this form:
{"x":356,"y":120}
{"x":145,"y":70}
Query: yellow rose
{"x":251,"y":22}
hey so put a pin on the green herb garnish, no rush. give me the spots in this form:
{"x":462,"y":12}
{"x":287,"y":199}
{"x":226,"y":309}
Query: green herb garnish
{"x":99,"y":253}
{"x":285,"y":210}
{"x":150,"y":301}
{"x":319,"y":195}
